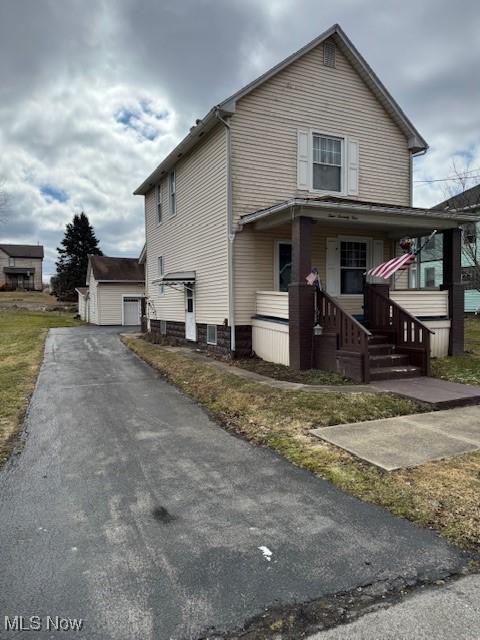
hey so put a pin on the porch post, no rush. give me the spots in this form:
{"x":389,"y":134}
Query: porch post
{"x":301,"y":295}
{"x":452,"y":282}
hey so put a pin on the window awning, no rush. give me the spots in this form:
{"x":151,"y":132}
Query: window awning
{"x":176,"y":277}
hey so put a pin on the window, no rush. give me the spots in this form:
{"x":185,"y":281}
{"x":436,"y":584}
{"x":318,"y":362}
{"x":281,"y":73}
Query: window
{"x":329,"y":54}
{"x":353,"y":264}
{"x":469,"y":233}
{"x":159,"y":203}
{"x":11,"y":261}
{"x":430,"y":277}
{"x":163,"y":327}
{"x":161,"y":273}
{"x":327,"y":163}
{"x":211,"y":334}
{"x":173,"y":201}
{"x":284,"y":265}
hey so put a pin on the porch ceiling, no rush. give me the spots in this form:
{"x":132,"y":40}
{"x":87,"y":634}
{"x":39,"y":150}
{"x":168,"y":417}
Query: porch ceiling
{"x":394,"y":220}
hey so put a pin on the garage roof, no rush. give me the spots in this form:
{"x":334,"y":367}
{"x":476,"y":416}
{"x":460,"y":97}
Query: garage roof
{"x":106,"y":269}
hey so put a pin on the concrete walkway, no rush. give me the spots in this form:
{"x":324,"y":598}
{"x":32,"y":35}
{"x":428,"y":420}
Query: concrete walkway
{"x":443,"y":613}
{"x":439,"y":394}
{"x":131,"y":509}
{"x":407,"y":441}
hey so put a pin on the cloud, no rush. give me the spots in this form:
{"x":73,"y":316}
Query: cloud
{"x":94,"y":93}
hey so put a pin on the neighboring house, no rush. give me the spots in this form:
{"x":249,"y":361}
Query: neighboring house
{"x":308,"y":166}
{"x":21,"y":267}
{"x":431,"y":267}
{"x":114,"y":292}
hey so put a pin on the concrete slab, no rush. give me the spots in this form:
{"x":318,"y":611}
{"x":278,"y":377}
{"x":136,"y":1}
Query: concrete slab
{"x":408,"y":441}
{"x":441,"y":394}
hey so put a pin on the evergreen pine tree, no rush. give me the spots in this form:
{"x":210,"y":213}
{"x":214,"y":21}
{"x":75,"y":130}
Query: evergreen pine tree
{"x":78,"y":243}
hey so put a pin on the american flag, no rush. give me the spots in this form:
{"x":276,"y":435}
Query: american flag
{"x":386,"y":269}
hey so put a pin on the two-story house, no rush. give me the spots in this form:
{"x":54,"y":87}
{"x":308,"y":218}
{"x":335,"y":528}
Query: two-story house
{"x":21,"y":267}
{"x":310,"y":165}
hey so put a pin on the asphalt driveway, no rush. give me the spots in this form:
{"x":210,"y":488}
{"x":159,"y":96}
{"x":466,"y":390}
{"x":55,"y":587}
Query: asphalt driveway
{"x":131,"y":509}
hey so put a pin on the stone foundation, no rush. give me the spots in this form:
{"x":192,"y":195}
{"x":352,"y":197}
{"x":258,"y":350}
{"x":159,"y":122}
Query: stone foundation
{"x":175,"y":334}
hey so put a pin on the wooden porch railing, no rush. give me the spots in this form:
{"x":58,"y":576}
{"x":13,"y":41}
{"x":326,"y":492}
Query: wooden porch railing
{"x":408,"y":333}
{"x":352,"y":336}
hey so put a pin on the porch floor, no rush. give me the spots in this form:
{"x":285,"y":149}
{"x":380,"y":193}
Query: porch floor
{"x":408,"y":441}
{"x":439,"y":394}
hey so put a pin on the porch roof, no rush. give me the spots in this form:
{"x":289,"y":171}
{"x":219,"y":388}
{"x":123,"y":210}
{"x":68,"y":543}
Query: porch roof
{"x":396,"y":220}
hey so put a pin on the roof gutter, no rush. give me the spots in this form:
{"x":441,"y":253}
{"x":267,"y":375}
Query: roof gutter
{"x":231,"y":232}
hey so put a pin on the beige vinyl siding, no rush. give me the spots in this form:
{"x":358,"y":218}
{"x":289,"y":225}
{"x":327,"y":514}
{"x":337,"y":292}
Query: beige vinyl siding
{"x":35,"y":263}
{"x":110,"y":300}
{"x":333,"y":101}
{"x":255,"y":260}
{"x":195,"y":239}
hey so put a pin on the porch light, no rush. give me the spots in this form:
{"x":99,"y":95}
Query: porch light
{"x":317,"y":330}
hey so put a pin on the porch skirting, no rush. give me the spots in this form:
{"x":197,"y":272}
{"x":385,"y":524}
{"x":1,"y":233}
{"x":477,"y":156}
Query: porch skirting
{"x":440,"y":339}
{"x":270,"y":340}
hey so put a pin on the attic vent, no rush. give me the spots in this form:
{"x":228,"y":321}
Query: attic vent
{"x":329,"y":54}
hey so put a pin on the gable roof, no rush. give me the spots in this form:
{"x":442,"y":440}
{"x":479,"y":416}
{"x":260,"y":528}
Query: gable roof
{"x":116,"y":269}
{"x":469,"y":199}
{"x":227,"y":107}
{"x":23,"y":250}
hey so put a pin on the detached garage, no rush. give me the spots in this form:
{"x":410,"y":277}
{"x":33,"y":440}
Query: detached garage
{"x":116,"y":287}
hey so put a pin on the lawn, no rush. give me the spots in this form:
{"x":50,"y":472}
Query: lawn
{"x":22,"y":336}
{"x":35,"y":297}
{"x":442,"y":495}
{"x":464,"y":368}
{"x":281,"y":372}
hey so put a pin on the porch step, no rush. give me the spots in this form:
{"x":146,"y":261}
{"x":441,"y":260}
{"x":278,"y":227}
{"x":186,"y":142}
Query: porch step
{"x":389,"y":360}
{"x":382,"y":348}
{"x":395,"y":372}
{"x":376,"y":338}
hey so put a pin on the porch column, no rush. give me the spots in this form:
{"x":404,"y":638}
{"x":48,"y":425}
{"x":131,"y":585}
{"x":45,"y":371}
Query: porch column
{"x":301,"y":295}
{"x":452,"y":282}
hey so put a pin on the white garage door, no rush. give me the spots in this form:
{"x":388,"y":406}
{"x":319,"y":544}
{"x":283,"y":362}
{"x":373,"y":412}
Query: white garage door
{"x":131,"y":311}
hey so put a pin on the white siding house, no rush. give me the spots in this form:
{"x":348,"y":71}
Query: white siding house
{"x":309,"y":166}
{"x":116,"y":287}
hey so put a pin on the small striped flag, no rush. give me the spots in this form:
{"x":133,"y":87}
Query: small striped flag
{"x":386,"y":269}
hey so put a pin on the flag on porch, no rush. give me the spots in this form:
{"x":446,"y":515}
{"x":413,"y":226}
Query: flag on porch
{"x":386,"y":269}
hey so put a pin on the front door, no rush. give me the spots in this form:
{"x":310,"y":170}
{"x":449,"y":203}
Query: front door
{"x":131,"y":311}
{"x":190,"y":325}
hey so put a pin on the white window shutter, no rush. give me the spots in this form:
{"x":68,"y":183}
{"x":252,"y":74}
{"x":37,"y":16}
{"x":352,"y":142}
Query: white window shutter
{"x":303,"y":160}
{"x":377,"y":258}
{"x":332,"y":267}
{"x":352,"y":167}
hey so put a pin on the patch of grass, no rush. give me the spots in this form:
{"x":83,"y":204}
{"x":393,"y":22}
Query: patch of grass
{"x":22,"y":335}
{"x":466,"y":368}
{"x":442,"y":495}
{"x":281,"y":372}
{"x":37,"y":297}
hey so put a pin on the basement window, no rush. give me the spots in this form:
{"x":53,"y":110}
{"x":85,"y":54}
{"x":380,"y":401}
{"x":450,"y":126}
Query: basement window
{"x":212,"y":334}
{"x":329,"y":54}
{"x":163,"y":327}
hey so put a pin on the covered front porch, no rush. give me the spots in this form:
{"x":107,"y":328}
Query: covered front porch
{"x":371,"y":329}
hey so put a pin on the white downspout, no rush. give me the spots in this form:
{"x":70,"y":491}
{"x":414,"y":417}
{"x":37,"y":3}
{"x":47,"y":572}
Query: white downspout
{"x":231,"y":234}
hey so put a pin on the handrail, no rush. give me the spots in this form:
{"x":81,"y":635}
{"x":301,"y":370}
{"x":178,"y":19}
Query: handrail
{"x":395,"y":304}
{"x":409,"y":334}
{"x":354,"y":321}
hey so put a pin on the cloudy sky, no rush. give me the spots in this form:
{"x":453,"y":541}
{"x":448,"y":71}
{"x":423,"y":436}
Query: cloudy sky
{"x":93,"y":93}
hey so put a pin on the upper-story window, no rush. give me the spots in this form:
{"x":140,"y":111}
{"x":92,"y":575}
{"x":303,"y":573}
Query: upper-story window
{"x":11,"y":261}
{"x":327,"y":163}
{"x":158,"y":196}
{"x":173,"y":193}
